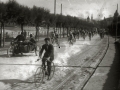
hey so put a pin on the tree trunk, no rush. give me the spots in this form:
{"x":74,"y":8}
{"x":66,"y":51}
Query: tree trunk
{"x":36,"y":36}
{"x":60,"y":29}
{"x":74,"y":29}
{"x":67,"y":31}
{"x":78,"y":33}
{"x":63,"y":32}
{"x":3,"y":36}
{"x":22,"y":28}
{"x":48,"y":31}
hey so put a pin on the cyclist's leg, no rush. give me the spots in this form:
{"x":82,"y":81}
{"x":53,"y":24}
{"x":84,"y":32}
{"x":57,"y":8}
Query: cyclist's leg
{"x":71,"y":41}
{"x":68,"y":40}
{"x":48,"y":68}
{"x":53,"y":39}
{"x":43,"y":64}
{"x":75,"y":39}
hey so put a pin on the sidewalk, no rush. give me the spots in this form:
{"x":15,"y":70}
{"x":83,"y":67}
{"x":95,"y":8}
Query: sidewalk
{"x":106,"y":76}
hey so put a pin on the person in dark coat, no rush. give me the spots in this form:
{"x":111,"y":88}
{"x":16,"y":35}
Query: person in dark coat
{"x":48,"y":55}
{"x":32,"y":40}
{"x":20,"y":38}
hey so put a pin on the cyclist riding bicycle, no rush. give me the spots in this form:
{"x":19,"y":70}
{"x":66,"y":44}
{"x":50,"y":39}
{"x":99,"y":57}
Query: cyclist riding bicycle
{"x":70,"y":37}
{"x":55,"y":38}
{"x":52,"y":35}
{"x":48,"y":55}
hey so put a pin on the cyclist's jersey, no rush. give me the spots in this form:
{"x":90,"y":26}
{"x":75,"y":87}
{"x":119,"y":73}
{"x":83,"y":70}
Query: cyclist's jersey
{"x":74,"y":34}
{"x":89,"y":33}
{"x":70,"y":36}
{"x":32,"y":40}
{"x":49,"y":51}
{"x":56,"y":35}
{"x":20,"y":38}
{"x":52,"y":35}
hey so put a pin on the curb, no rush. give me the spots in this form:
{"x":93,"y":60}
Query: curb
{"x":118,"y":88}
{"x":94,"y":69}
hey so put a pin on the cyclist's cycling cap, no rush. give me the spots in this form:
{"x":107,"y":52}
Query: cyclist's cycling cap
{"x":47,"y":39}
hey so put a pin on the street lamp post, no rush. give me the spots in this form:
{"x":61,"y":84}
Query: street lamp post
{"x":55,"y":14}
{"x":116,"y":30}
{"x":116,"y":25}
{"x":1,"y":36}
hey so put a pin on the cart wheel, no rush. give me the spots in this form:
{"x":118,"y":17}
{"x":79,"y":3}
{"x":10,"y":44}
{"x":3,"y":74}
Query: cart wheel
{"x":52,"y":70}
{"x":10,"y":51}
{"x":37,"y":50}
{"x":39,"y":76}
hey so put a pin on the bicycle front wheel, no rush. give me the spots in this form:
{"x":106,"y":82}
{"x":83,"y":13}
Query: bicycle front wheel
{"x":39,"y":76}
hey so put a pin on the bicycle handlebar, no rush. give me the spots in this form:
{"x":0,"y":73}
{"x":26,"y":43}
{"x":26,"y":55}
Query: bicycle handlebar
{"x":43,"y":58}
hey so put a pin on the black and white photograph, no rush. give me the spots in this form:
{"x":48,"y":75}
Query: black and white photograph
{"x":59,"y":44}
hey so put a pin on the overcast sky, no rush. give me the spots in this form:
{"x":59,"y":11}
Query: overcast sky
{"x":79,"y":8}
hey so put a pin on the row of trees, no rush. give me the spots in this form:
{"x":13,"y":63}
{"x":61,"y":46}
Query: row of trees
{"x":13,"y":12}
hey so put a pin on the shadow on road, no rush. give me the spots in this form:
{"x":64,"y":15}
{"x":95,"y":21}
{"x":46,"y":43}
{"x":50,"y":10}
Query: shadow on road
{"x":113,"y":75}
{"x":11,"y":81}
{"x":6,"y":56}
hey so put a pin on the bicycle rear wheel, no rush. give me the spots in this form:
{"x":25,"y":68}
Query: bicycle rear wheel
{"x":39,"y":76}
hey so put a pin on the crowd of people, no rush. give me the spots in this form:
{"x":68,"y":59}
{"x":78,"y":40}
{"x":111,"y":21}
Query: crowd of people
{"x":54,"y":38}
{"x":72,"y":36}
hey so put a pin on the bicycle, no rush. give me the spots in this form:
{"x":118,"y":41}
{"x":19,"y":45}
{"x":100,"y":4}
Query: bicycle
{"x":71,"y":41}
{"x":40,"y":74}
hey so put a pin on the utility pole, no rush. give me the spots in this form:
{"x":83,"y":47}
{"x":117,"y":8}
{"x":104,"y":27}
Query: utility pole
{"x":61,"y":22}
{"x":55,"y":14}
{"x":116,"y":25}
{"x":61,"y":9}
{"x":1,"y":35}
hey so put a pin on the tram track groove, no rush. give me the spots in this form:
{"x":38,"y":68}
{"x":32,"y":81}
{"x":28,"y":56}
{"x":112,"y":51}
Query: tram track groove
{"x":82,"y":66}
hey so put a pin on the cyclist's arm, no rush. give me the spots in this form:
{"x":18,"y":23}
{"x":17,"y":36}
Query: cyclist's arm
{"x":41,"y":51}
{"x":72,"y":36}
{"x":16,"y":38}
